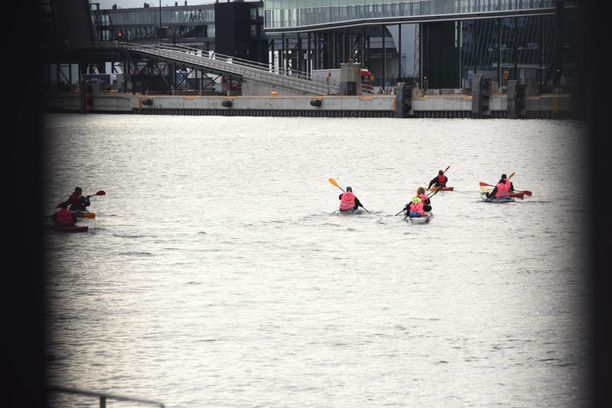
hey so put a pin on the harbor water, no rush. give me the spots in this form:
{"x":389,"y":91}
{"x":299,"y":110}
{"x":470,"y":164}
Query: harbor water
{"x":216,"y":273}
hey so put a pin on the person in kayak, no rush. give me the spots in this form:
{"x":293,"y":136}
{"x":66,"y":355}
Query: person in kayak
{"x":438,"y":181}
{"x":76,"y":201}
{"x":419,"y":206}
{"x":348,"y":201}
{"x":64,"y":217}
{"x":503,"y":188}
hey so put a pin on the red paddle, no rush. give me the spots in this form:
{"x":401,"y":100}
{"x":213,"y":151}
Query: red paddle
{"x":99,"y":193}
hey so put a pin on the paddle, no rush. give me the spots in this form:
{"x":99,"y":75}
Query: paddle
{"x":515,"y":193}
{"x":90,"y":214}
{"x":335,"y":183}
{"x":99,"y":193}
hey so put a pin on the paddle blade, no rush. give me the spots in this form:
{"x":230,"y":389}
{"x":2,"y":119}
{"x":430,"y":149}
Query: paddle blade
{"x":482,"y":183}
{"x":101,"y":192}
{"x":89,"y":215}
{"x":334,"y":183}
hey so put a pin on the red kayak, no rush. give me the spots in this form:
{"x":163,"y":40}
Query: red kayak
{"x":442,"y":188}
{"x":70,"y":228}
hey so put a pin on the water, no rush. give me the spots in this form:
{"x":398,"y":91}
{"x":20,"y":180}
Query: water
{"x":216,"y":274}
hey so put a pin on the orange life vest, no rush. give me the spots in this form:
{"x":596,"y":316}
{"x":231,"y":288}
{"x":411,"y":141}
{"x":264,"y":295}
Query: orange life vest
{"x":503,"y":189}
{"x":347,"y":202}
{"x":416,"y":205}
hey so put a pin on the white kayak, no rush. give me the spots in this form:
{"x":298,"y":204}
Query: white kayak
{"x":420,"y":220}
{"x":352,"y":212}
{"x":498,"y":200}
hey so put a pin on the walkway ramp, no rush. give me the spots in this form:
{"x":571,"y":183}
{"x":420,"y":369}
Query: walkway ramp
{"x":209,"y":60}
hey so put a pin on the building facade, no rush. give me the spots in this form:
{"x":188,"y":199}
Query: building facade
{"x":435,"y":43}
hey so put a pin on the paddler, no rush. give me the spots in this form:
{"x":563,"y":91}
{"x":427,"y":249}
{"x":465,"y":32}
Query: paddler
{"x":76,"y":201}
{"x":503,"y":188}
{"x":420,"y":204}
{"x":348,"y":201}
{"x":438,"y":181}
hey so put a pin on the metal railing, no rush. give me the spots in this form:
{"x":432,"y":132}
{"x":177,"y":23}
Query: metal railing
{"x":103,"y":396}
{"x":287,"y":78}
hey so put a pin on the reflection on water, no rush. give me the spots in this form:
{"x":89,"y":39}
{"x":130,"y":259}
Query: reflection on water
{"x":216,"y":273}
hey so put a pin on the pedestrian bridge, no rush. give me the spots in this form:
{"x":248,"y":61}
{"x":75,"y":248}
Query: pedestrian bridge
{"x":211,"y":62}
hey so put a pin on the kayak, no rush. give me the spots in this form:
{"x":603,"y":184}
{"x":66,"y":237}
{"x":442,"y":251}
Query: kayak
{"x":447,"y":188}
{"x":420,"y":220}
{"x":352,"y":212}
{"x":487,"y":188}
{"x":499,"y":200}
{"x":70,"y":228}
{"x":85,"y":214}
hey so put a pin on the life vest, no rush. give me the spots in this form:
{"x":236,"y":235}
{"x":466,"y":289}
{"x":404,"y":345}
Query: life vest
{"x":64,"y":217}
{"x":347,"y":202}
{"x":442,"y":180}
{"x":416,"y":205}
{"x":423,"y":197}
{"x":503,"y":189}
{"x":74,"y":201}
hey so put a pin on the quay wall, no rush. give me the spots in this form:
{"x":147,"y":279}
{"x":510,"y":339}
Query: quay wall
{"x":429,"y":106}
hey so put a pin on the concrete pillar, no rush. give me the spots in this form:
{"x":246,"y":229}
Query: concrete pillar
{"x":350,"y":79}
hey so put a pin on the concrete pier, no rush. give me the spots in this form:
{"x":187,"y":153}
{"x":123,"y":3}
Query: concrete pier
{"x":431,"y":105}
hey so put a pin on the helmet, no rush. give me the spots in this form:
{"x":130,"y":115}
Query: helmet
{"x":440,"y":172}
{"x":503,"y":176}
{"x":349,"y":189}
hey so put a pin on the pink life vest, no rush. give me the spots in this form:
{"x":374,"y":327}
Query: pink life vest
{"x":347,"y":202}
{"x":416,"y":206}
{"x":64,"y":217}
{"x":503,"y":189}
{"x":423,"y":197}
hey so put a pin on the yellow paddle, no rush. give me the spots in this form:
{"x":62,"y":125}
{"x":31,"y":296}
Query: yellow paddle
{"x":335,"y":183}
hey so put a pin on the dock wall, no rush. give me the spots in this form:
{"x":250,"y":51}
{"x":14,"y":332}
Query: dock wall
{"x":425,"y":106}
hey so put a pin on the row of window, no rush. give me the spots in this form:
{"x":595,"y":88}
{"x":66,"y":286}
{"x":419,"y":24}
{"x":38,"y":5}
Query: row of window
{"x":151,"y":15}
{"x":288,"y":13}
{"x":168,"y":16}
{"x":151,"y":32}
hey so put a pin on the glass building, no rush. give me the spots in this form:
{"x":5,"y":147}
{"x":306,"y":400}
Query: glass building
{"x":294,"y":14}
{"x":435,"y":43}
{"x":184,"y":24}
